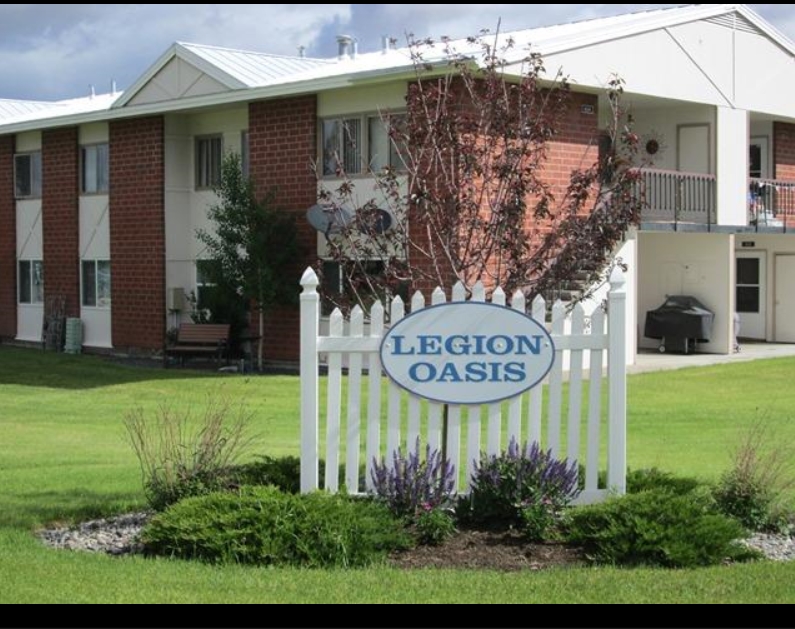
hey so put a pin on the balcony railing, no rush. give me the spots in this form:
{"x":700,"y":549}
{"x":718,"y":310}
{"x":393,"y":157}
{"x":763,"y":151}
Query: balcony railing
{"x":771,"y":205}
{"x":679,"y":198}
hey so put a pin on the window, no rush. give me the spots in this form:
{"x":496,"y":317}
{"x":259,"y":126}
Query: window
{"x":342,"y":146}
{"x":95,"y":164}
{"x":96,"y":284}
{"x":346,"y":286}
{"x":245,"y":155}
{"x":206,"y":272}
{"x":31,"y":282}
{"x":27,"y":176}
{"x":749,"y":286}
{"x":209,"y":155}
{"x":381,"y":148}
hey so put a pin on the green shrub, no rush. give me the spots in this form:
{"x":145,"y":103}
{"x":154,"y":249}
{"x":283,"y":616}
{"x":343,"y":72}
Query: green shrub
{"x":284,"y":473}
{"x":518,"y":481}
{"x":753,"y":491}
{"x":263,"y":526}
{"x":434,"y":526}
{"x":654,"y":479}
{"x":184,"y":455}
{"x":656,"y":528}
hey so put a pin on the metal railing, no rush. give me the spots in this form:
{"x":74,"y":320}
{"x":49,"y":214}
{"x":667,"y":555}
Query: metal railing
{"x":771,"y":204}
{"x":677,"y":198}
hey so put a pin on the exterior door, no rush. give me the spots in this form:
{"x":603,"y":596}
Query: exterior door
{"x":694,"y":149}
{"x":752,"y":295}
{"x":785,"y":299}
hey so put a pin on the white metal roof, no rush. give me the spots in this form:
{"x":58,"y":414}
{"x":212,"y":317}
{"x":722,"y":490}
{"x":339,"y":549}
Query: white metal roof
{"x":254,"y":75}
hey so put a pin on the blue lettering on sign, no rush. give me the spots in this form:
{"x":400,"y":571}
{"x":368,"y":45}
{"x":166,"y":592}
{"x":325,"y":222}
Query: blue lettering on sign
{"x":467,"y":353}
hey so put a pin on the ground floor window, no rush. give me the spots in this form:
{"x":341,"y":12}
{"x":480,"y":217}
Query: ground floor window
{"x":206,"y":284}
{"x":31,"y":282}
{"x":347,"y":285}
{"x":96,"y":284}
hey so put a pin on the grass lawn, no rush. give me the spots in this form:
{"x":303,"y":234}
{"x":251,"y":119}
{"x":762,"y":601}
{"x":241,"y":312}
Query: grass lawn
{"x":63,"y":457}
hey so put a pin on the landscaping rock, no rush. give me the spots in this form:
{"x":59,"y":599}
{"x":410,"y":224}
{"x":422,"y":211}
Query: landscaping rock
{"x":114,"y":536}
{"x":774,"y":547}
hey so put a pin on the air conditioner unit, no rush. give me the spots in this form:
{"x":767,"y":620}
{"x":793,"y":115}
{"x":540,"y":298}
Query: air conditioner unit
{"x":175,"y":300}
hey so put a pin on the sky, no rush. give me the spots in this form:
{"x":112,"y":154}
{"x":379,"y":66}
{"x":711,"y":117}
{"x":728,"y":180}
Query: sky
{"x":52,"y":52}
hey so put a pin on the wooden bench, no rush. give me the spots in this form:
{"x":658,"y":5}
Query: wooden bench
{"x":200,"y":340}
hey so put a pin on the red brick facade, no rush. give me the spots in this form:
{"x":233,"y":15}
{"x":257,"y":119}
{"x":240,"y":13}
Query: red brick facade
{"x":8,"y":241}
{"x":137,"y":233}
{"x":61,"y":217}
{"x":283,"y":144}
{"x":784,"y":151}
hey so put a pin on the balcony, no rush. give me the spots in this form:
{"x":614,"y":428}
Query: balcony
{"x":676,"y":201}
{"x":679,"y":201}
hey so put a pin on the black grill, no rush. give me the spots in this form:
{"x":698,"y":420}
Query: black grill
{"x":680,"y":323}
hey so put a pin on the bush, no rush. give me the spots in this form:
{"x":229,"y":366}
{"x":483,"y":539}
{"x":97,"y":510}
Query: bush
{"x":265,"y":527}
{"x":410,"y":484}
{"x":656,"y":528}
{"x":520,"y":480}
{"x":182,"y":455}
{"x":434,"y":526}
{"x":284,"y":474}
{"x":653,"y":479}
{"x":754,"y":490}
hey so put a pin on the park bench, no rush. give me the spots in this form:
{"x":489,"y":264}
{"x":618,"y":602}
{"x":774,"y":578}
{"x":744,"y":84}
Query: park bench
{"x":195,"y":340}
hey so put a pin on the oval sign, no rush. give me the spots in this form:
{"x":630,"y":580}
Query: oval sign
{"x":467,"y":353}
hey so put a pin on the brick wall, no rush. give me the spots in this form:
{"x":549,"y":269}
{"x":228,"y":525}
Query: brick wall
{"x":283,"y":144}
{"x":61,"y":217}
{"x":784,"y":151}
{"x":8,"y":241}
{"x":137,"y":233}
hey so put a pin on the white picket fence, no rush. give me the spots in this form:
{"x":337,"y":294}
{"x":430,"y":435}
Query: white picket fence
{"x":357,"y":345}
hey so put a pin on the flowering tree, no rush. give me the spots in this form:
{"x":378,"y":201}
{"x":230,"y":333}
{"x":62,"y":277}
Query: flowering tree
{"x":468,"y":194}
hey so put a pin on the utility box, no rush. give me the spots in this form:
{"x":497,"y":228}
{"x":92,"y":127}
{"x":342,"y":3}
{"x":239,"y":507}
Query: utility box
{"x":175,"y":300}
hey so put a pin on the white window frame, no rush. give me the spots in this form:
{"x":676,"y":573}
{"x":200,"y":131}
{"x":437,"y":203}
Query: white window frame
{"x":102,"y":165}
{"x":36,"y":296}
{"x":363,"y":150}
{"x":35,"y":174}
{"x":201,"y":282}
{"x":209,"y":165}
{"x":99,"y":303}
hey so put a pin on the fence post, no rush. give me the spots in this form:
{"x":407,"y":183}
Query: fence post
{"x":310,"y":382}
{"x":617,"y":366}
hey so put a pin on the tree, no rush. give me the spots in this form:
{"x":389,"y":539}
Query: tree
{"x":469,"y":198}
{"x":253,"y":244}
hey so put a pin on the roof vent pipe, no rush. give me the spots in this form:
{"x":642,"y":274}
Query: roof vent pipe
{"x":386,"y":44}
{"x":345,"y":43}
{"x":302,"y":52}
{"x":355,"y":49}
{"x":91,"y":91}
{"x":114,"y":89}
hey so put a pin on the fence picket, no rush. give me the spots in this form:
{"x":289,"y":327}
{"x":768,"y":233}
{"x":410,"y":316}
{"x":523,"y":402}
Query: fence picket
{"x":556,"y":382}
{"x":494,"y":443}
{"x":518,"y":303}
{"x":537,"y":395}
{"x":354,"y":444}
{"x":575,"y":387}
{"x":473,"y":413}
{"x":456,"y":412}
{"x":435,"y":411}
{"x":374,"y":394}
{"x":595,"y":406}
{"x":415,"y":404}
{"x":334,"y":415}
{"x":395,"y":394}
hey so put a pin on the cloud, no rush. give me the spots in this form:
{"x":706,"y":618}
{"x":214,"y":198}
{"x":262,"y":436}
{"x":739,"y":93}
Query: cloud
{"x":50,"y":51}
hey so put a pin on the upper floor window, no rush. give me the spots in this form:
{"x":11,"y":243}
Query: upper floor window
{"x":27,"y":176}
{"x":209,"y":157}
{"x":358,"y":145}
{"x":95,"y":167}
{"x":31,"y":282}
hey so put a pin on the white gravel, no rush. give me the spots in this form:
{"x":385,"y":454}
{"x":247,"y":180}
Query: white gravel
{"x":115,"y":536}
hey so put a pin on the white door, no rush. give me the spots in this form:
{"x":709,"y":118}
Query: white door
{"x":785,"y":299}
{"x":752,"y":295}
{"x":694,"y":149}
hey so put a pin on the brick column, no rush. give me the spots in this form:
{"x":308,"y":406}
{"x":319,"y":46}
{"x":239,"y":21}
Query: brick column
{"x":283,"y":144}
{"x":784,"y":151}
{"x":61,"y":217}
{"x":8,"y":241}
{"x":138,"y":233}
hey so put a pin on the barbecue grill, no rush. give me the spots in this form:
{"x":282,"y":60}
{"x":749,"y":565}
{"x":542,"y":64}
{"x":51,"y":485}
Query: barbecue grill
{"x":680,"y":321}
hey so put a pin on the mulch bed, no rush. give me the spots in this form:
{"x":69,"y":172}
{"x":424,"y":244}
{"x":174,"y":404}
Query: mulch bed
{"x":498,"y":551}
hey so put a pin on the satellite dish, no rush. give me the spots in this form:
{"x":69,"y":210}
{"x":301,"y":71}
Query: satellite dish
{"x":329,"y":219}
{"x":381,"y":222}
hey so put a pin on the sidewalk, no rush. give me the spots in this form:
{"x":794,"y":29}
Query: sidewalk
{"x":651,"y":361}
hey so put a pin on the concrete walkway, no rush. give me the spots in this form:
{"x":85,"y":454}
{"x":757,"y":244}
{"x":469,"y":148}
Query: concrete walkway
{"x":651,"y":361}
